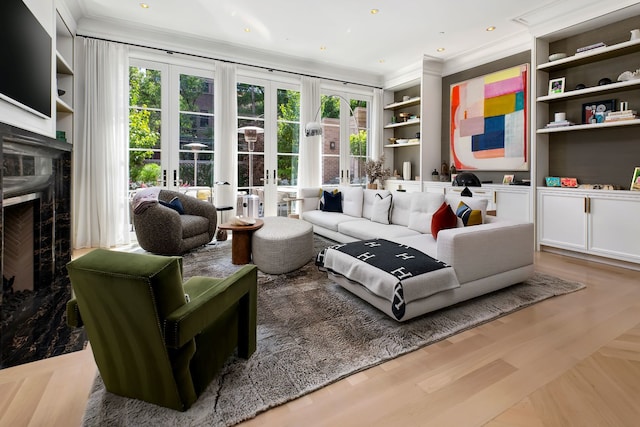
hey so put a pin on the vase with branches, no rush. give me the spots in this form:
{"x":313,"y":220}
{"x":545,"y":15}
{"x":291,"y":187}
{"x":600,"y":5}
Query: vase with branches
{"x":375,"y":170}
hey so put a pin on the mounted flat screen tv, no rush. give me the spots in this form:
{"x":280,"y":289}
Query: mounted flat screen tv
{"x":25,"y":59}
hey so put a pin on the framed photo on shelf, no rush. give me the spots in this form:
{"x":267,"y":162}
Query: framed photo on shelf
{"x":635,"y":181}
{"x":596,"y":112}
{"x":507,"y":179}
{"x":556,"y":86}
{"x":552,"y":181}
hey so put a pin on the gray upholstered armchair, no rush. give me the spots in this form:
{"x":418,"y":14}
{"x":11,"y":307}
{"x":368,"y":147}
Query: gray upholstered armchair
{"x":162,"y":230}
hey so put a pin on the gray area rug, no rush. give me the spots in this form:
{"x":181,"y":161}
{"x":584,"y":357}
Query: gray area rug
{"x":311,"y":333}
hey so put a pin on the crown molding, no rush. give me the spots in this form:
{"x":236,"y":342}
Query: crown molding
{"x":215,"y":50}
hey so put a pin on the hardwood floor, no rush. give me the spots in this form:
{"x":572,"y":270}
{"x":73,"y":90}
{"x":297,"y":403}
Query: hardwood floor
{"x":573,"y":360}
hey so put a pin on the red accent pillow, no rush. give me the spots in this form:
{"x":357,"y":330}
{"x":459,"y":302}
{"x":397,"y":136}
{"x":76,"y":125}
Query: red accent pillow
{"x":442,"y":219}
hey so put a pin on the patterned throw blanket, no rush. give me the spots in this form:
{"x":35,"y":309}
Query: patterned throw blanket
{"x":397,"y":273}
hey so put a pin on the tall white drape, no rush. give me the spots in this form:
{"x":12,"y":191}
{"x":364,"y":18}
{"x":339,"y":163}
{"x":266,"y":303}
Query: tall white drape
{"x":101,"y":158}
{"x":376,"y":127}
{"x":226,"y":128}
{"x":310,"y":147}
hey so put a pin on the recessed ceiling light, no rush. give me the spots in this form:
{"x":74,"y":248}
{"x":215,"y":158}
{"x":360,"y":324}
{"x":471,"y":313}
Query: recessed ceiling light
{"x":381,"y":61}
{"x":491,"y":28}
{"x":247,"y":30}
{"x":323,"y":48}
{"x":144,"y":5}
{"x":440,"y":49}
{"x":374,"y":11}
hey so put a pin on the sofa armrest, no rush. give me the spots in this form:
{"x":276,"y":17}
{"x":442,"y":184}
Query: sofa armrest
{"x":187,"y":321}
{"x":193,"y":206}
{"x":484,"y":250}
{"x":310,"y":198}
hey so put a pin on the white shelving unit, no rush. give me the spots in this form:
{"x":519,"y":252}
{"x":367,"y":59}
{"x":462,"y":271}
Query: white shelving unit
{"x":589,"y":223}
{"x":64,"y":79}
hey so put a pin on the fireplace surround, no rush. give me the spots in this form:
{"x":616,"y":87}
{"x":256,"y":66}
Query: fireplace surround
{"x":36,"y":174}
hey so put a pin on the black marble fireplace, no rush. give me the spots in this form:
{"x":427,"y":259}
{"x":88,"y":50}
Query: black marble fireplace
{"x":35,"y":239}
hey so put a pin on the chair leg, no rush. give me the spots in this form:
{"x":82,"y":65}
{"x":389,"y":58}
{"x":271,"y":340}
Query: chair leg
{"x":247,"y":310}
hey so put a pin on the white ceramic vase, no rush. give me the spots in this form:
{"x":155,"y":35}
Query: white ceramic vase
{"x":406,"y":171}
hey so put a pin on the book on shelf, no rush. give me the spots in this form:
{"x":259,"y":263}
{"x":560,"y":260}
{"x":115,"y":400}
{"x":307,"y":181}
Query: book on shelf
{"x":590,"y":47}
{"x":621,"y":115}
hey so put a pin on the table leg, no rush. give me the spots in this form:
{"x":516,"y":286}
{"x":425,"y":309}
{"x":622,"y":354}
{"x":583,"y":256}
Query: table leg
{"x":241,"y":247}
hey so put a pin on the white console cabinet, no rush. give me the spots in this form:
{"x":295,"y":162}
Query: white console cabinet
{"x":603,"y":223}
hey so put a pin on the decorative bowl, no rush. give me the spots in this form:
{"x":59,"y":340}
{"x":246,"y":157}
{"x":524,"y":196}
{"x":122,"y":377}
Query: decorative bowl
{"x":404,"y":116}
{"x":556,"y":56}
{"x":402,"y":141}
{"x":392,"y":140}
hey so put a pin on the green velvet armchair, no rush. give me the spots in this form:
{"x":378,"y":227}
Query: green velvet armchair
{"x":149,"y":340}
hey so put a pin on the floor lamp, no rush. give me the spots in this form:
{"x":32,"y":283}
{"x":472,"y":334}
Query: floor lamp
{"x":251,"y":136}
{"x":195,"y":147}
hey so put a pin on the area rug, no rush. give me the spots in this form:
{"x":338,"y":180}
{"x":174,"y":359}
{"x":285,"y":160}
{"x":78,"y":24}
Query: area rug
{"x":311,"y":333}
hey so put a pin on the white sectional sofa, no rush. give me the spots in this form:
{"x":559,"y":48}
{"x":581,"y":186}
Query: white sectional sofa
{"x":485,"y":257}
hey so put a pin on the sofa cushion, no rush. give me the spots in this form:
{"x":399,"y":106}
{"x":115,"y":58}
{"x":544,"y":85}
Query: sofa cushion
{"x":468,"y":216}
{"x":331,"y":202}
{"x":423,"y":205}
{"x":193,"y":225}
{"x":365,"y":229}
{"x":369,"y":198}
{"x":401,"y":207}
{"x":328,"y":220}
{"x":381,"y":208}
{"x":352,"y":199}
{"x":442,"y":219}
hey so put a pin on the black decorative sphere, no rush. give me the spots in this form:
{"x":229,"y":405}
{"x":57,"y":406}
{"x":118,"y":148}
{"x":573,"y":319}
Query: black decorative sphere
{"x":604,"y":81}
{"x":580,"y":86}
{"x":466,"y":179}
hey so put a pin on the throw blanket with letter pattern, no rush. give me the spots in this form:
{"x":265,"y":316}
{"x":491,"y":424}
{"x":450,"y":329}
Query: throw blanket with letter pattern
{"x":395,"y":272}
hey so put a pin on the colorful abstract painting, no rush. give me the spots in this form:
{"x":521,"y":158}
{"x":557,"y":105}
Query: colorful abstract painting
{"x":489,"y":121}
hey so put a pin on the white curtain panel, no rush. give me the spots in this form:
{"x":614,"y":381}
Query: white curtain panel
{"x":376,"y":136}
{"x":310,"y":147}
{"x":226,"y":129}
{"x":101,"y":157}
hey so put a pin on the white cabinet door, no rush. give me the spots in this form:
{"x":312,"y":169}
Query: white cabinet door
{"x":513,"y":205}
{"x":563,"y":221}
{"x":614,"y":227}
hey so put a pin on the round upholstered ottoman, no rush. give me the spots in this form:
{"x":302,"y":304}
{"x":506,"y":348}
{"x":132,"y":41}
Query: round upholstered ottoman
{"x":282,"y":245}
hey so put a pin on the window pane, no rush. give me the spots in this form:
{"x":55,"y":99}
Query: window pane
{"x":331,"y":170}
{"x":288,"y":137}
{"x":196,"y":169}
{"x":287,"y":170}
{"x":192,"y":132}
{"x":288,"y":105}
{"x":144,"y":87}
{"x":196,"y":94}
{"x":250,"y":100}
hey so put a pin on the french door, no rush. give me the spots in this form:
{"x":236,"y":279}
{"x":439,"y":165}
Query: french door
{"x":268,"y":143}
{"x":171,"y":130}
{"x":345,"y":129}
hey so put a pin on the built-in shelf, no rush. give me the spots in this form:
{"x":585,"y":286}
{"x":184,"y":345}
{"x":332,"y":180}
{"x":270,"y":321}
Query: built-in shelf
{"x":610,"y":88}
{"x":63,"y":107}
{"x":593,"y":55}
{"x":401,"y":104}
{"x":408,"y":144}
{"x":618,"y":123}
{"x":401,"y":124}
{"x":62,"y":67}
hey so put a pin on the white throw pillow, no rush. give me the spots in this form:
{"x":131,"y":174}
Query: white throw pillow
{"x":380,"y":211}
{"x":423,"y":206}
{"x":351,"y":200}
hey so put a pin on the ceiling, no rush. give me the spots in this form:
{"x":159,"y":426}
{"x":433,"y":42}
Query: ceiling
{"x":340,"y":33}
